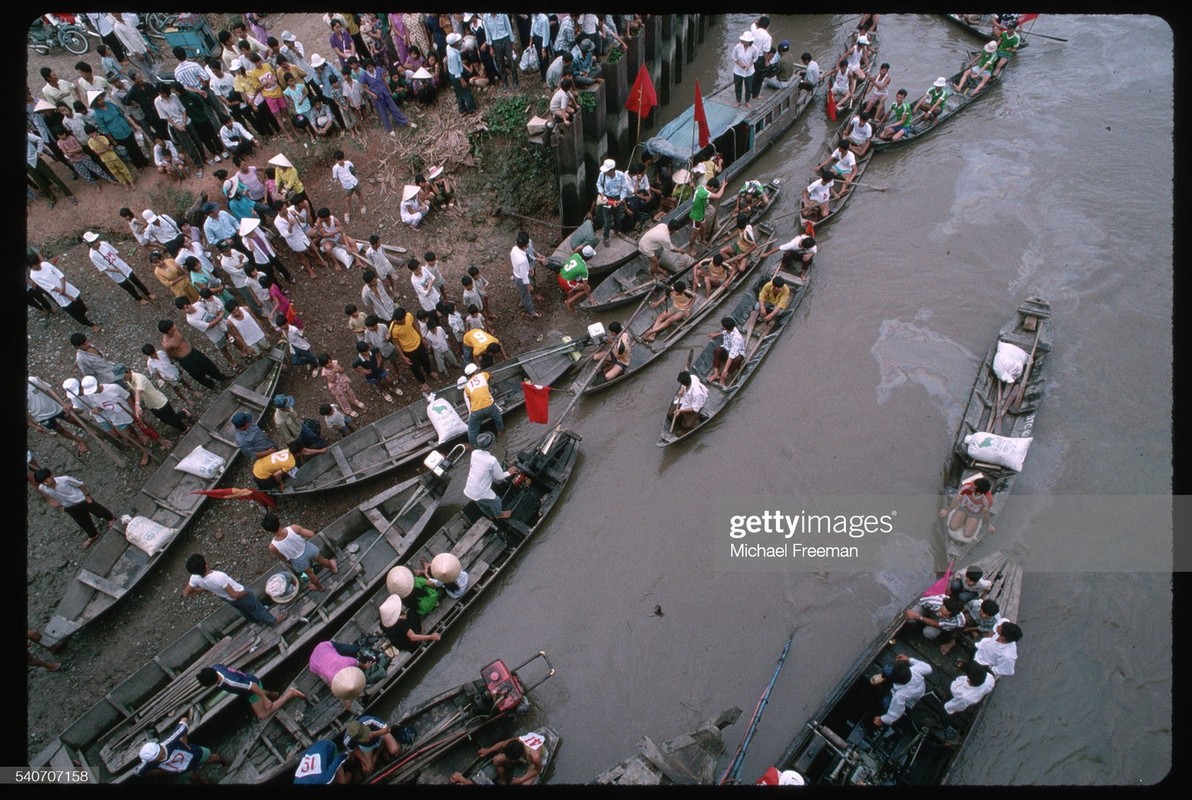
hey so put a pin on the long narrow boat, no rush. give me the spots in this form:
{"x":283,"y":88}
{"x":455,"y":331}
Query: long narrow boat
{"x":836,"y":203}
{"x":687,"y":759}
{"x":953,"y":105}
{"x":113,"y":565}
{"x":482,"y":772}
{"x":448,"y":727}
{"x":840,"y":746}
{"x":591,"y":378}
{"x":982,"y":27}
{"x":1030,"y":330}
{"x":620,"y":248}
{"x":407,"y":434}
{"x":483,"y":546}
{"x":634,"y":280}
{"x":758,"y":342}
{"x":366,"y":541}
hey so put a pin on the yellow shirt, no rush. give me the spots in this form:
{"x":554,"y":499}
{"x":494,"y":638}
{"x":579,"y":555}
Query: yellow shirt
{"x":405,"y":333}
{"x":266,"y":79}
{"x":477,"y":391}
{"x":271,"y":464}
{"x":478,"y":340}
{"x":779,"y":298}
{"x":287,"y":178}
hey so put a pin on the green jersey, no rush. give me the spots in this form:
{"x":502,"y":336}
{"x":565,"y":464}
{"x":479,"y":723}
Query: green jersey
{"x":699,"y":203}
{"x":900,"y":114}
{"x":1008,"y":42}
{"x":575,"y":269}
{"x":426,"y":602}
{"x":936,"y":95}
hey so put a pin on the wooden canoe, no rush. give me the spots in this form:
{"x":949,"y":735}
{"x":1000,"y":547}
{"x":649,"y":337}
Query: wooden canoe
{"x":688,"y":759}
{"x":840,"y":746}
{"x":407,"y":434}
{"x":982,"y":28}
{"x":634,"y":280}
{"x":112,"y":566}
{"x":484,"y":548}
{"x":758,"y":342}
{"x":366,"y":542}
{"x":953,"y":105}
{"x":608,"y":258}
{"x":481,"y":771}
{"x":1017,"y":422}
{"x":591,"y":378}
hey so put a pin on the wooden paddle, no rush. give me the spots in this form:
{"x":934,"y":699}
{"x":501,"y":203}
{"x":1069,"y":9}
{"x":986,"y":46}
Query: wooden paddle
{"x":871,"y":186}
{"x":675,"y":416}
{"x":1043,"y":36}
{"x":1016,"y":394}
{"x":78,"y":420}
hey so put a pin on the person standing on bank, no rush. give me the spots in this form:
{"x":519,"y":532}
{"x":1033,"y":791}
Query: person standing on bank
{"x":72,"y":496}
{"x":226,"y":588}
{"x":65,"y":294}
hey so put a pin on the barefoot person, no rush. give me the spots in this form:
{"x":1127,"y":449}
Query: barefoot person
{"x":244,"y":684}
{"x":506,"y":754}
{"x":292,"y":544}
{"x":72,"y":496}
{"x":972,"y":504}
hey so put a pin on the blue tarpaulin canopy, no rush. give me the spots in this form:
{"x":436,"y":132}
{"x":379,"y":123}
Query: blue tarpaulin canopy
{"x":677,"y":137}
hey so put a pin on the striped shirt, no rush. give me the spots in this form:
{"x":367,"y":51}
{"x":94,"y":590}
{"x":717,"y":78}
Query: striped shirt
{"x":233,"y":681}
{"x":191,"y":75}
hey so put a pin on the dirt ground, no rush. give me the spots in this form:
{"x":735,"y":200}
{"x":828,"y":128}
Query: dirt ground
{"x":227,"y":532}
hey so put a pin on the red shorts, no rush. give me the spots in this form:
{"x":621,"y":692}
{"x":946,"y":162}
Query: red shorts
{"x":566,"y":285}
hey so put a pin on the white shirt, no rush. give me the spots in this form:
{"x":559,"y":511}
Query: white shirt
{"x":861,"y":131}
{"x":248,"y":329}
{"x":762,"y":40}
{"x":484,"y":469}
{"x":165,"y":153}
{"x":295,"y":339}
{"x":111,"y":403}
{"x":846,"y":160}
{"x":521,"y":264}
{"x":906,"y":695}
{"x":291,"y":231}
{"x":998,"y":656}
{"x":66,"y":492}
{"x":160,"y":364}
{"x":163,"y":229}
{"x":964,"y":694}
{"x":217,"y":583}
{"x":741,"y":53}
{"x":733,"y":342}
{"x":107,"y":260}
{"x":797,"y":244}
{"x":811,"y":72}
{"x":694,"y":396}
{"x":199,"y":319}
{"x":424,"y":286}
{"x":343,"y":174}
{"x":819,"y":192}
{"x":377,"y":300}
{"x":51,"y":279}
{"x":237,"y":130}
{"x":379,"y":261}
{"x":233,"y":264}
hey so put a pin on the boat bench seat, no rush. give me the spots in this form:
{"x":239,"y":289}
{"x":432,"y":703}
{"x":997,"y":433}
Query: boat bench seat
{"x":248,"y":395}
{"x":102,"y":584}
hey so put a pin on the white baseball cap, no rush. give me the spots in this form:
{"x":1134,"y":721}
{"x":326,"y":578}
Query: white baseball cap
{"x":608,"y":165}
{"x":90,"y":236}
{"x":90,"y":385}
{"x":588,"y":252}
{"x":471,"y":368}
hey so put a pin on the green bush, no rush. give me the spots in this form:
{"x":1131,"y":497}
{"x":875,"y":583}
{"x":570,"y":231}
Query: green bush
{"x":587,"y":101}
{"x":614,"y":55}
{"x":509,"y":114}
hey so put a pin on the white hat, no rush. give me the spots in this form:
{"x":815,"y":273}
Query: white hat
{"x":90,"y":236}
{"x":588,"y":252}
{"x":348,"y":683}
{"x":390,"y":611}
{"x":991,"y":47}
{"x":71,"y":386}
{"x":608,"y":164}
{"x":237,"y":63}
{"x":90,"y":385}
{"x":317,"y":60}
{"x":150,"y":752}
{"x":681,"y":176}
{"x":461,"y":382}
{"x":148,"y":215}
{"x":400,"y":581}
{"x":747,"y":36}
{"x":43,"y":105}
{"x":410,"y":190}
{"x":941,"y":81}
{"x":466,"y":16}
{"x":286,"y":36}
{"x":453,"y":38}
{"x":862,"y":39}
{"x":433,"y":172}
{"x":92,"y":95}
{"x":248,"y":225}
{"x":471,"y":368}
{"x":281,"y":588}
{"x":699,"y":168}
{"x":788,"y":777}
{"x":445,"y":567}
{"x":422,"y":74}
{"x":281,"y":161}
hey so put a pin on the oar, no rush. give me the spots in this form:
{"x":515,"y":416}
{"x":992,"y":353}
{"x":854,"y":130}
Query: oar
{"x":1044,"y":36}
{"x":78,"y":420}
{"x":516,"y":362}
{"x":1016,"y":394}
{"x":675,"y":416}
{"x":733,"y":772}
{"x":875,"y":187}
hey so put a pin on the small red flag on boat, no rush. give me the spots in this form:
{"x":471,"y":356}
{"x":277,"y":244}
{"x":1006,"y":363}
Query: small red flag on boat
{"x":940,"y":586}
{"x":701,"y":119}
{"x":537,"y":402}
{"x":831,"y":105}
{"x":642,"y":96}
{"x":1025,"y":18}
{"x":239,"y":494}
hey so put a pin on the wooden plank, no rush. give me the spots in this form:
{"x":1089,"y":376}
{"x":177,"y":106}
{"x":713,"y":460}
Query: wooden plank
{"x":341,"y":460}
{"x":377,"y":519}
{"x":61,"y":760}
{"x":102,"y":584}
{"x":256,"y":398}
{"x":214,"y":434}
{"x":669,"y":766}
{"x":471,"y":536}
{"x":165,"y":504}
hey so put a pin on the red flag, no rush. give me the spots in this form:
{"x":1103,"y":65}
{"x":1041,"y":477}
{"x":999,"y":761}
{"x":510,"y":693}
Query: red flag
{"x":642,"y":97}
{"x":537,"y":402}
{"x":701,"y":119}
{"x":1025,"y":18}
{"x":940,"y":586}
{"x":831,"y":105}
{"x":239,"y":494}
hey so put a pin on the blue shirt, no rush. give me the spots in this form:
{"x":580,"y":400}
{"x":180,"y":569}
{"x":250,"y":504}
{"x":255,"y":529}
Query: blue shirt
{"x":374,"y":84}
{"x":180,"y":758}
{"x":253,"y":440}
{"x":319,"y":763}
{"x":496,"y":26}
{"x":616,"y":187}
{"x":540,"y":26}
{"x":455,"y":63}
{"x":236,"y":682}
{"x":222,"y":227}
{"x":328,"y":82}
{"x":112,"y":122}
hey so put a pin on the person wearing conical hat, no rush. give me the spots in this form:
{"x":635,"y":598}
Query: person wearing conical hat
{"x":403,"y":625}
{"x":289,"y":185}
{"x":174,"y":755}
{"x":341,"y":665}
{"x":413,"y":207}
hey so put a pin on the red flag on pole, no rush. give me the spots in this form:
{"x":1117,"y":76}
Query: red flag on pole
{"x":831,"y":105}
{"x":537,"y":402}
{"x":701,"y":119}
{"x":239,"y":494}
{"x":642,"y":97}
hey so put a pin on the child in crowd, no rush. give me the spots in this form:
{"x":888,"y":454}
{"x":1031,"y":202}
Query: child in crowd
{"x":334,"y":419}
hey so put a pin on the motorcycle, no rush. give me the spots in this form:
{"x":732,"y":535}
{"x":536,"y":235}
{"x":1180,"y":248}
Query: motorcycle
{"x":49,"y":31}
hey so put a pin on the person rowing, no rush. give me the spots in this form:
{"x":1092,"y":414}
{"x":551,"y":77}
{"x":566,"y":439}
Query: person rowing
{"x":980,"y":68}
{"x":900,"y":116}
{"x":816,"y":196}
{"x":932,"y":102}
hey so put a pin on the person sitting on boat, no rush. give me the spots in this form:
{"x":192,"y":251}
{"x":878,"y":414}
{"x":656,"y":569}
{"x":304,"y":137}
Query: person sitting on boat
{"x":816,"y":196}
{"x":322,"y":763}
{"x":970,"y":688}
{"x":875,"y":101}
{"x":703,"y":218}
{"x":980,"y":69}
{"x":781,"y":67}
{"x":932,"y":103}
{"x":860,"y":133}
{"x":750,"y":197}
{"x":293,"y":546}
{"x":974,"y":499}
{"x":244,"y":684}
{"x":908,"y":679}
{"x":842,"y":162}
{"x":445,"y":572}
{"x":773,"y":299}
{"x":857,"y":59}
{"x":658,"y":240}
{"x":941,"y":623}
{"x":726,"y":358}
{"x":745,"y":241}
{"x":645,"y":198}
{"x":1008,"y":42}
{"x":403,"y":625}
{"x":362,"y":741}
{"x":483,"y":471}
{"x":682,"y":187}
{"x":176,"y":756}
{"x":573,"y":278}
{"x":787,"y":777}
{"x":684,"y":411}
{"x":899,"y":116}
{"x":716,"y":271}
{"x":840,"y":84}
{"x":983,"y":618}
{"x":618,"y":352}
{"x":999,"y":652}
{"x":506,"y":754}
{"x":251,"y":440}
{"x":713,"y":165}
{"x":341,"y":665}
{"x":811,"y":73}
{"x":972,"y":585}
{"x":798,"y":251}
{"x":681,"y":302}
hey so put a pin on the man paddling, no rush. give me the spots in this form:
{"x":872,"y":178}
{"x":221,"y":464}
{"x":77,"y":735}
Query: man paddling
{"x":980,"y":68}
{"x":932,"y":102}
